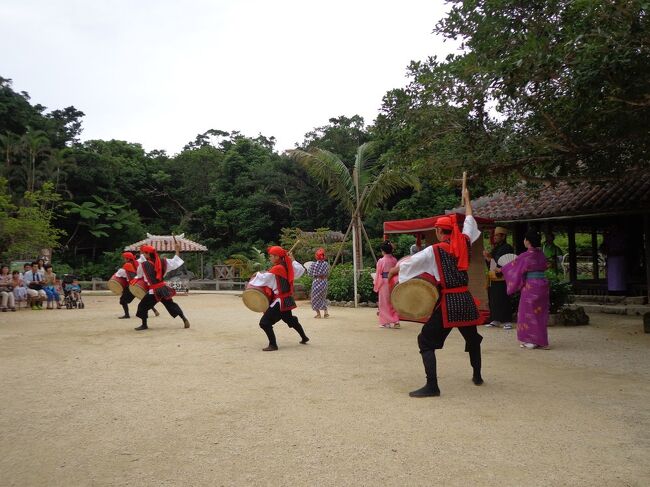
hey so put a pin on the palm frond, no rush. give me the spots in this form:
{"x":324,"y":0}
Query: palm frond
{"x":365,"y":153}
{"x":328,"y":170}
{"x":387,"y":183}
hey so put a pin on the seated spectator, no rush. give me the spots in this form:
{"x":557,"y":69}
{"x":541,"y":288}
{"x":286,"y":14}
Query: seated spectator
{"x":50,"y":288}
{"x":7,"y":300}
{"x":34,"y":283}
{"x":26,"y":269}
{"x":20,"y":291}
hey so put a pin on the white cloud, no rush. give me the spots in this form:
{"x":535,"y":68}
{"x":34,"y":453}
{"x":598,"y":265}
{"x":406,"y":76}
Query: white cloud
{"x":160,"y":72}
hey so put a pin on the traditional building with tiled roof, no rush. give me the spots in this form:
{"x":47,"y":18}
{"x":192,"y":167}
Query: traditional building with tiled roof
{"x":617,"y":205}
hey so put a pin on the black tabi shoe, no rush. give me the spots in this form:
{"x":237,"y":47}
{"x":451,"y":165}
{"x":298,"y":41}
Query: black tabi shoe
{"x":186,"y":322}
{"x":304,"y":340}
{"x":125,"y":317}
{"x":426,"y":391}
{"x":141,"y":327}
{"x":270,"y":348}
{"x":477,"y":380}
{"x":155,"y":312}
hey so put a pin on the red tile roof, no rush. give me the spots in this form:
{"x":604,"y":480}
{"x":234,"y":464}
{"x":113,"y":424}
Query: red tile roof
{"x":630,"y":193}
{"x":165,"y":243}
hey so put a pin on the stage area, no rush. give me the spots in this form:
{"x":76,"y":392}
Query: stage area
{"x":88,"y":401}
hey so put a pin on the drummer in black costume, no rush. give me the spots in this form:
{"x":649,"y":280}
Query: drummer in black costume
{"x":153,"y":269}
{"x":128,"y":271}
{"x":448,"y":262}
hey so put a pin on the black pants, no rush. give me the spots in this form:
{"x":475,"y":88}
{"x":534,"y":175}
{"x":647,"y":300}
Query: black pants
{"x":272,"y":315}
{"x":433,"y":336}
{"x":149,"y":301}
{"x":126,"y":297}
{"x":500,"y":302}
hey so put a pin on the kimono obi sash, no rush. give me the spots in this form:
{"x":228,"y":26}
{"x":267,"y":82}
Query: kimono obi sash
{"x":535,"y":275}
{"x":384,"y":275}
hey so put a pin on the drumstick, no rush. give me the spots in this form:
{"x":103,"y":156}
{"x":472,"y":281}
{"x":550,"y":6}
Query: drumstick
{"x":464,"y":187}
{"x":294,"y":246}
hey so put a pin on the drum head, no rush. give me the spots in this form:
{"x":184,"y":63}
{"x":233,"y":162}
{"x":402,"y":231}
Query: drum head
{"x":414,"y":299}
{"x":137,"y":291}
{"x":307,"y":265}
{"x":255,"y":300}
{"x":115,"y":287}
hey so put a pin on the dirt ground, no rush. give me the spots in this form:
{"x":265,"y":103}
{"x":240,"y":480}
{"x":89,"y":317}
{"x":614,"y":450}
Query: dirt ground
{"x":86,"y":400}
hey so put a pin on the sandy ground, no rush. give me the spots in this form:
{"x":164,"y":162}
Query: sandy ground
{"x":88,"y":401}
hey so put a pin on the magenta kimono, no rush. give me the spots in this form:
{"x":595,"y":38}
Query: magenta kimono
{"x":526,"y":274}
{"x":387,"y":314}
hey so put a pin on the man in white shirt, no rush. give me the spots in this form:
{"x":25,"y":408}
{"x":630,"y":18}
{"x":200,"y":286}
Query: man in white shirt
{"x":34,"y":283}
{"x":448,"y":262}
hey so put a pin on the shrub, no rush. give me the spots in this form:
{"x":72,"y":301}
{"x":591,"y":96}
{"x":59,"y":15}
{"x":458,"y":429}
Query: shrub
{"x":560,"y":291}
{"x":341,"y":284}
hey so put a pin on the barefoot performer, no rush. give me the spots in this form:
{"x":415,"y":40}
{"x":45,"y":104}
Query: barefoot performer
{"x":128,"y":271}
{"x":153,"y":269}
{"x":280,"y":279}
{"x":448,"y":262}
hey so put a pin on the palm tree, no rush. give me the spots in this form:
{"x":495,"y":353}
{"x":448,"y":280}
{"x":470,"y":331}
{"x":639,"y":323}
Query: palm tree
{"x":369,"y":184}
{"x":35,"y":143}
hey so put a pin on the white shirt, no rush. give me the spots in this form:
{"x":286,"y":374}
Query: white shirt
{"x":425,"y":261}
{"x":172,"y":264}
{"x":267,"y":279}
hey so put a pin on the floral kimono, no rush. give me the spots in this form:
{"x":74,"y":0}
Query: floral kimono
{"x":526,"y":274}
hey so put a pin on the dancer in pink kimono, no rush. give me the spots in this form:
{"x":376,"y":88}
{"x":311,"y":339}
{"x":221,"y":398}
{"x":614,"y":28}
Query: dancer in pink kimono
{"x":388,"y":317}
{"x":526,"y":274}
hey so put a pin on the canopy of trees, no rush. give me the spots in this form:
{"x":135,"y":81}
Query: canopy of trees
{"x":538,"y":91}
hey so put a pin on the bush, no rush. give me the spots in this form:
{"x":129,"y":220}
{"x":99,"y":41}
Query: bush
{"x":341,"y":284}
{"x":560,"y":291}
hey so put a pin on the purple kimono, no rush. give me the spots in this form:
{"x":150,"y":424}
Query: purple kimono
{"x":387,"y":314}
{"x":526,"y":274}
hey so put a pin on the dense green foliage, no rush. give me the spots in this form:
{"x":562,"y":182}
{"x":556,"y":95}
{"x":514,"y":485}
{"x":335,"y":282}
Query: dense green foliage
{"x":539,"y":91}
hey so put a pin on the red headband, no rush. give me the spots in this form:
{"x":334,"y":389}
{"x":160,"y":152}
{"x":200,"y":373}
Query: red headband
{"x":444,"y":222}
{"x":276,"y":250}
{"x":320,"y":254}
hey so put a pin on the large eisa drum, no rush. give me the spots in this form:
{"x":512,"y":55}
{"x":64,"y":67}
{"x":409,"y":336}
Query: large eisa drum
{"x":139,"y":288}
{"x":257,"y":298}
{"x":117,"y":284}
{"x":414,"y":299}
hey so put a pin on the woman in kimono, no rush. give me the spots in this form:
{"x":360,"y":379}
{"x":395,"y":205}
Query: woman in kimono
{"x":526,"y":274}
{"x":319,"y":271}
{"x":388,"y":317}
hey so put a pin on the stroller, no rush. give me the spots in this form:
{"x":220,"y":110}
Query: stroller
{"x":71,"y":292}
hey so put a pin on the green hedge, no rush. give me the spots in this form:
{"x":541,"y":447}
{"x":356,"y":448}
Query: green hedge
{"x":340,"y":286}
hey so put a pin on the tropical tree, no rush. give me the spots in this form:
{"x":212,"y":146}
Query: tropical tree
{"x":27,"y":229}
{"x":367,"y":185}
{"x":248,"y":264}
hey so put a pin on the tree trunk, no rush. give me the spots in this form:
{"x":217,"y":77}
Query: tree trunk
{"x":355,"y":262}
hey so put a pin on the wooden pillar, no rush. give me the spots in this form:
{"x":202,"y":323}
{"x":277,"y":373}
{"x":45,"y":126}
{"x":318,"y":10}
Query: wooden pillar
{"x":594,"y":253}
{"x":573,"y":264}
{"x":518,"y":234}
{"x":646,"y":234}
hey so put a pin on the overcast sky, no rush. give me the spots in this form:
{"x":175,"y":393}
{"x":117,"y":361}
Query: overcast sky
{"x":159,"y":72}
